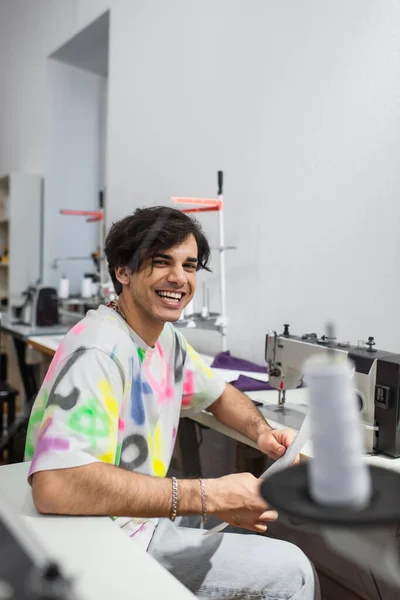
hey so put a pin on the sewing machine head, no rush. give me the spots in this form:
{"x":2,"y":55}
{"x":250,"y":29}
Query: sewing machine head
{"x":376,"y":378}
{"x":286,"y":355}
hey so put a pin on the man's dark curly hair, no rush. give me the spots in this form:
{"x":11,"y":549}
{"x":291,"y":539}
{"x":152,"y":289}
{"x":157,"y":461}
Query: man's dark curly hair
{"x":150,"y":231}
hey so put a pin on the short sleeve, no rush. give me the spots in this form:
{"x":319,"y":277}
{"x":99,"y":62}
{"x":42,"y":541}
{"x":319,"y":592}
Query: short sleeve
{"x":201,"y":385}
{"x":75,"y":419}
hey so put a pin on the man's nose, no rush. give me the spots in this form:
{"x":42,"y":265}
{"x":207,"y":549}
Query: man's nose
{"x":177,"y":275}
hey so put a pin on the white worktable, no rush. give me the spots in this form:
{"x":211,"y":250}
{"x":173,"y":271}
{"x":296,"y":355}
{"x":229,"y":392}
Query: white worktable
{"x":102,"y":560}
{"x":47,"y":344}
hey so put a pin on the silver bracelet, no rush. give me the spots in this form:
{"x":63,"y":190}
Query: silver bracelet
{"x":203,"y":501}
{"x":174,"y":507}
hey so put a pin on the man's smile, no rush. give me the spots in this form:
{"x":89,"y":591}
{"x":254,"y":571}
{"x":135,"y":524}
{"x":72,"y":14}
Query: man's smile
{"x":170,"y":298}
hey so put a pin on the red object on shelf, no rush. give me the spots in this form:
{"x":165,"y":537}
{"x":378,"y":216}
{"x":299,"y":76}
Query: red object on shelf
{"x":203,"y":209}
{"x":211,"y":202}
{"x":95,"y":215}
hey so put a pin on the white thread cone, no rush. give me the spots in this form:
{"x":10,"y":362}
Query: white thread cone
{"x":338,"y":474}
{"x":86,"y":287}
{"x":63,"y":287}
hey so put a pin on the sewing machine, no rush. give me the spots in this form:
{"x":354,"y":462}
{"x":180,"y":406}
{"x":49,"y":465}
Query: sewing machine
{"x":377,"y":382}
{"x":26,"y":572}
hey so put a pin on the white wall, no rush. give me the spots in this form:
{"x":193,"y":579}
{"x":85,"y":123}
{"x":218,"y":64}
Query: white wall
{"x":299,"y":103}
{"x":73,"y":170}
{"x":29,"y":32}
{"x":45,"y":113}
{"x":296,"y":101}
{"x":102,"y":115}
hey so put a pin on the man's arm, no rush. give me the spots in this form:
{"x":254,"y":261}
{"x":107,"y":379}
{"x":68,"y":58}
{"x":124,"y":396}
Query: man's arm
{"x":102,"y":489}
{"x":76,"y":478}
{"x":234,"y":409}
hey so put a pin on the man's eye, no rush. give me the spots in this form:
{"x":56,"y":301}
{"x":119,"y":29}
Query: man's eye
{"x":190,"y":266}
{"x":159,"y":262}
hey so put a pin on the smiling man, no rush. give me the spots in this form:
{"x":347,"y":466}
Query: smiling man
{"x":103,"y":427}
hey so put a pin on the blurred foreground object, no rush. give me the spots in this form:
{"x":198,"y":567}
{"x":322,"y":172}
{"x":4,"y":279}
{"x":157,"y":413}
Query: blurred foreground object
{"x":355,"y":505}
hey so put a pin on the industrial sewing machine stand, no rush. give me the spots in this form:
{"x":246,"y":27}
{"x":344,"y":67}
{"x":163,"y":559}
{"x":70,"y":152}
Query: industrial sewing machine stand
{"x":188,"y":430}
{"x":218,"y":322}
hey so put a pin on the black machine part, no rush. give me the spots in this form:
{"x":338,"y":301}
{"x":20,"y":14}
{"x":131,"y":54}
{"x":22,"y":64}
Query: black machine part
{"x":387,"y":406}
{"x":287,"y":491}
{"x":387,"y":396}
{"x":26,"y":573}
{"x":46,"y":307}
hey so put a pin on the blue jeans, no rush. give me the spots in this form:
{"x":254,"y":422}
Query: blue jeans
{"x":233,"y":566}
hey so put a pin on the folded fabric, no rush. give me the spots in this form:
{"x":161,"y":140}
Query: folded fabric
{"x":247,"y":384}
{"x":224,"y":360}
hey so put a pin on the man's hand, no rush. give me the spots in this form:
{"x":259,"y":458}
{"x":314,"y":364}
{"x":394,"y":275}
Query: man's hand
{"x":236,"y":499}
{"x":274,"y":442}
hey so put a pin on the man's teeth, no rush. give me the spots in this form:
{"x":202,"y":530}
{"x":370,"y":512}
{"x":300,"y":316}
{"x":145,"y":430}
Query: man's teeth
{"x":172,"y":297}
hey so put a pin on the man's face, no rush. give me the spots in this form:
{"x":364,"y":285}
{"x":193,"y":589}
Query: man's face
{"x":165,"y":284}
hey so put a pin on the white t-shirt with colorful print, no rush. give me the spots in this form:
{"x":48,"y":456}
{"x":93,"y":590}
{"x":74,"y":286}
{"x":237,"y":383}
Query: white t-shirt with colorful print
{"x":108,"y":396}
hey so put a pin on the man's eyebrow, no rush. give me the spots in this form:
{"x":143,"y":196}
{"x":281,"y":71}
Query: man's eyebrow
{"x":159,"y":255}
{"x":192,"y":259}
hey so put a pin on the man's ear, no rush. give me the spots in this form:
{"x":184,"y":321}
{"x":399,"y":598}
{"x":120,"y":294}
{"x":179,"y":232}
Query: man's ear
{"x":123,"y":275}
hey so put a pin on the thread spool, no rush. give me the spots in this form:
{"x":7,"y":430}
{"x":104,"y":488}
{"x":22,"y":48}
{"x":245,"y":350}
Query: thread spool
{"x":86,"y":287}
{"x":338,"y":474}
{"x":204,"y":312}
{"x":189,"y":313}
{"x":206,"y":302}
{"x":63,"y":287}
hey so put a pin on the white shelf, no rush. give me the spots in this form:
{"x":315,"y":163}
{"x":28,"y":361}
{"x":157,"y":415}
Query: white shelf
{"x":20,"y":232}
